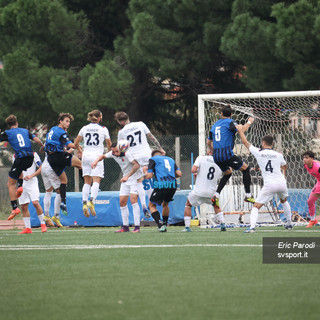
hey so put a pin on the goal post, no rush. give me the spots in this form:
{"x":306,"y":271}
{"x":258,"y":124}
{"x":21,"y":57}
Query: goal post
{"x":292,"y":118}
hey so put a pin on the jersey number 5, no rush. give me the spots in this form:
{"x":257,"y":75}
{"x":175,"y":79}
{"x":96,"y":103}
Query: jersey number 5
{"x":217,"y":134}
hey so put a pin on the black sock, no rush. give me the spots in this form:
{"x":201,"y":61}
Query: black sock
{"x":223,"y":182}
{"x":246,"y":180}
{"x":14,"y":204}
{"x":20,"y":182}
{"x":156,"y":217}
{"x":63,"y":192}
{"x":165,"y":220}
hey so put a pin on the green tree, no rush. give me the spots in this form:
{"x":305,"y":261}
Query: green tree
{"x":173,"y":53}
{"x":277,"y":42}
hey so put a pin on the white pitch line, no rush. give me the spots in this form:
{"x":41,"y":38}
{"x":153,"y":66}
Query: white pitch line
{"x":124,"y":246}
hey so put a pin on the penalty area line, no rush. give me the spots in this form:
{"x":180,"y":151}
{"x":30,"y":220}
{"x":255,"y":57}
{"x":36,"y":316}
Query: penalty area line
{"x":124,"y":246}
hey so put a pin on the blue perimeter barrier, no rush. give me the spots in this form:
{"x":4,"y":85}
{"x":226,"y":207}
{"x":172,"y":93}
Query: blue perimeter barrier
{"x":109,"y":215}
{"x":107,"y":209}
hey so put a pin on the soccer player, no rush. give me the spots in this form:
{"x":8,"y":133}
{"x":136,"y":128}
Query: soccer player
{"x":51,"y":182}
{"x":19,"y":139}
{"x":207,"y":174}
{"x":131,"y":173}
{"x":313,"y":167}
{"x":164,"y":170}
{"x":137,"y":133}
{"x":58,"y":158}
{"x":221,"y":142}
{"x":94,"y":136}
{"x":271,"y":163}
{"x":31,"y":193}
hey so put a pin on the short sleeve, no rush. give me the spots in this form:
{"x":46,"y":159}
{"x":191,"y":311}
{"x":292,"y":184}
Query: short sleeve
{"x":197,"y":162}
{"x":144,"y":128}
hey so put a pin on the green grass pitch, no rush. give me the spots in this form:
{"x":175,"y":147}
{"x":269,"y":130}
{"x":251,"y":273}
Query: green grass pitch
{"x":93,"y":273}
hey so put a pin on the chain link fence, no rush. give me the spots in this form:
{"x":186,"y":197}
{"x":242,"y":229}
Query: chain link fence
{"x":183,"y":149}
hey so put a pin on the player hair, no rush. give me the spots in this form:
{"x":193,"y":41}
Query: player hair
{"x":94,"y":115}
{"x":154,"y":152}
{"x":62,"y":116}
{"x":11,"y":120}
{"x":114,"y":145}
{"x":121,"y":116}
{"x":226,"y":110}
{"x":309,"y":153}
{"x":268,"y":140}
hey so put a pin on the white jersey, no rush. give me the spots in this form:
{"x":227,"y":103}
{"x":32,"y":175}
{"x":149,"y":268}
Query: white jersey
{"x":207,"y":178}
{"x":136,"y":134}
{"x":94,"y":136}
{"x":36,"y":163}
{"x":125,"y":164}
{"x":270,"y":163}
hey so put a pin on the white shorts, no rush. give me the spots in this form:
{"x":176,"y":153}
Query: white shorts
{"x":49,"y":177}
{"x":197,"y":200}
{"x":268,"y":191}
{"x":143,"y":161}
{"x":128,"y":188}
{"x":98,"y":171}
{"x":30,"y":193}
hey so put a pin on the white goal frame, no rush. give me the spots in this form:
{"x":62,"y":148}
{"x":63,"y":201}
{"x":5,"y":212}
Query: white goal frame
{"x":203,"y":126}
{"x":202,"y":98}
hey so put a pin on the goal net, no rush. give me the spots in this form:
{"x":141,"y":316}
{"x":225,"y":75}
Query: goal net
{"x":292,"y":118}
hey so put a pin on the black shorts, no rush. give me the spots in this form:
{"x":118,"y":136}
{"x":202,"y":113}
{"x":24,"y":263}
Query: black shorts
{"x":234,"y":162}
{"x":59,"y":161}
{"x":163,"y":194}
{"x":19,"y":165}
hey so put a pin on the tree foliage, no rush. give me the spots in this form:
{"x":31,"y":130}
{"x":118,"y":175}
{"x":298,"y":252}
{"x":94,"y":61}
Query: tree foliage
{"x":150,"y":58}
{"x":277,"y":41}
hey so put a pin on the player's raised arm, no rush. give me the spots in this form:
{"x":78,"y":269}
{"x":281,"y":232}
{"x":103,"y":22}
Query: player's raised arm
{"x":243,"y":138}
{"x":247,"y":125}
{"x":156,"y":142}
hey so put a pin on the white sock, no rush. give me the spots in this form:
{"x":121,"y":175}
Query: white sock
{"x":85,"y":192}
{"x":217,"y":194}
{"x":47,"y":202}
{"x":187,"y":221}
{"x":94,"y":190}
{"x":41,"y":218}
{"x":287,"y":212}
{"x":57,"y":202}
{"x":248,"y":195}
{"x":27,"y":222}
{"x":142,"y":194}
{"x":136,"y":214}
{"x":254,"y":217}
{"x":220,"y":217}
{"x":125,"y":215}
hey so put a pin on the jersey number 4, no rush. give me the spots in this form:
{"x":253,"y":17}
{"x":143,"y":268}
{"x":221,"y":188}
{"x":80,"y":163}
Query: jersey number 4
{"x":269,"y":166}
